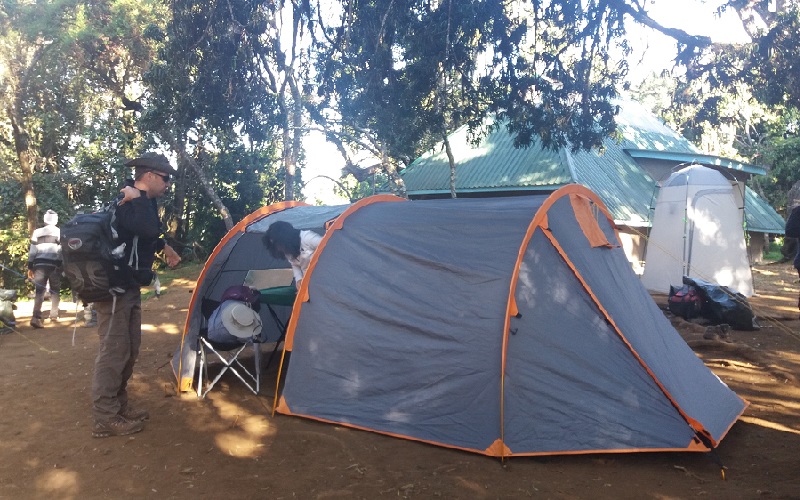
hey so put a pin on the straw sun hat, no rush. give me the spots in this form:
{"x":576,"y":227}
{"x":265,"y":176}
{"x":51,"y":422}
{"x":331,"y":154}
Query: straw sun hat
{"x":239,"y":319}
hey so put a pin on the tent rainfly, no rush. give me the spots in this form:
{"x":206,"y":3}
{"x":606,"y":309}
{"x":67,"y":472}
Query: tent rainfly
{"x":698,"y":231}
{"x":501,"y":326}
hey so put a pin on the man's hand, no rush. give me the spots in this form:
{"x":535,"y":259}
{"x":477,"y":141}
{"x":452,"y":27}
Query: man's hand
{"x":130,"y":193}
{"x":171,"y":256}
{"x":30,"y":274}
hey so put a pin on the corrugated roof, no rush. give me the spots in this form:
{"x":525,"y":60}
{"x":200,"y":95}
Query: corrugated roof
{"x":625,"y":188}
{"x":495,"y":165}
{"x":640,"y":129}
{"x":760,"y":217}
{"x":699,"y":159}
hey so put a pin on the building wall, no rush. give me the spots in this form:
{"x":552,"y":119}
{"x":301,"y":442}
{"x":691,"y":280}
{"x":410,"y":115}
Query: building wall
{"x":633,"y":241}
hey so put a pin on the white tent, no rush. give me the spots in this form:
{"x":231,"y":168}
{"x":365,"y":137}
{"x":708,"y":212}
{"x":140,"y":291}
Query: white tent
{"x":697,"y":231}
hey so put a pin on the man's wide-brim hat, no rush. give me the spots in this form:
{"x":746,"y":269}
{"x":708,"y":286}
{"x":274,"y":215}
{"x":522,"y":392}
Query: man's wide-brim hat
{"x":240,"y":320}
{"x":154,"y":161}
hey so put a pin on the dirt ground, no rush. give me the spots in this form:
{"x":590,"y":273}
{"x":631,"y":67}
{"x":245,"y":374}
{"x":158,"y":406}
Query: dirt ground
{"x":228,"y":445}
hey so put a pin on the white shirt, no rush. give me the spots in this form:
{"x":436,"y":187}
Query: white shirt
{"x":309,"y":241}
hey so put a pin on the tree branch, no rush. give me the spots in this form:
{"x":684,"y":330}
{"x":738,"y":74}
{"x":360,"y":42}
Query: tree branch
{"x":637,"y":12}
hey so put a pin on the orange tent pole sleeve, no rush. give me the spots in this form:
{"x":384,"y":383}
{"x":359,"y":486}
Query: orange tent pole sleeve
{"x":302,"y":292}
{"x":585,"y":214}
{"x":697,"y":426}
{"x":539,"y":220}
{"x":185,"y":385}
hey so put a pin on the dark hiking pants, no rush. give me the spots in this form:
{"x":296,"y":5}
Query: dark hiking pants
{"x":116,"y":355}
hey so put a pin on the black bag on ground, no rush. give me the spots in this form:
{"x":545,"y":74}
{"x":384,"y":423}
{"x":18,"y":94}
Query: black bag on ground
{"x":685,"y":301}
{"x":724,"y":305}
{"x":93,"y":258}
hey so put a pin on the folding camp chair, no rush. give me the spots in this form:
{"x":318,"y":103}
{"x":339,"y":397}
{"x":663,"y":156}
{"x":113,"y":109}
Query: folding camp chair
{"x":229,"y":354}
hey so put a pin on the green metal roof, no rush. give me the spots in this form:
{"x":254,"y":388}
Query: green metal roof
{"x":496,"y":166}
{"x":641,"y":130}
{"x":700,"y":159}
{"x":625,"y":188}
{"x":760,"y":217}
{"x":493,"y":165}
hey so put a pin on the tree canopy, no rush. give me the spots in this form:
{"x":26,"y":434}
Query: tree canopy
{"x":230,"y":90}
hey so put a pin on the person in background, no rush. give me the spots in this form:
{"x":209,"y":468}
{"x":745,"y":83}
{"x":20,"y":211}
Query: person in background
{"x":89,"y":315}
{"x":120,"y":321}
{"x":793,"y":231}
{"x":44,"y":266}
{"x":283,"y":241}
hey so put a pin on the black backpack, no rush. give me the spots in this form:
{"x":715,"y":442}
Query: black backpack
{"x":93,"y":257}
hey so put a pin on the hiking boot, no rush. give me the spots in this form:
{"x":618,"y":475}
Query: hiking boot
{"x":36,"y":323}
{"x":117,"y":426}
{"x":133,"y":414}
{"x":53,"y":315}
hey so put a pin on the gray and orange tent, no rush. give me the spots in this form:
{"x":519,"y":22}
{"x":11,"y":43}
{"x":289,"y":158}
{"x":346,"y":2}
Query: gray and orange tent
{"x":501,"y":326}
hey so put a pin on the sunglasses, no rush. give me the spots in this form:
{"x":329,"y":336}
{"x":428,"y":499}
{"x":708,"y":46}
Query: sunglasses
{"x":164,"y":177}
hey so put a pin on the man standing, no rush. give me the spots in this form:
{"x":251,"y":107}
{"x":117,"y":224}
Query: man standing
{"x":120,"y":321}
{"x":44,"y":266}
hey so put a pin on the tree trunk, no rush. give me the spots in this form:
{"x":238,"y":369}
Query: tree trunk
{"x":22,"y":138}
{"x":286,"y":154}
{"x":177,"y":226}
{"x":185,"y":161}
{"x":297,"y":126}
{"x":22,"y":149}
{"x":396,"y":184}
{"x":452,"y":161}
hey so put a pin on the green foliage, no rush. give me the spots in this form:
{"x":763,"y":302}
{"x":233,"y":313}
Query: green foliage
{"x":63,"y":65}
{"x":773,"y":252}
{"x":783,"y":156}
{"x":245,"y":179}
{"x":208,"y":70}
{"x":351,"y":188}
{"x":402,"y":74}
{"x":730,"y":79}
{"x":211,"y":79}
{"x":14,"y":244}
{"x":14,"y":240}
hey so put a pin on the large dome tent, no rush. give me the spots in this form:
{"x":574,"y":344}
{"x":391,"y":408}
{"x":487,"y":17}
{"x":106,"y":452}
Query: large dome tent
{"x":501,"y":326}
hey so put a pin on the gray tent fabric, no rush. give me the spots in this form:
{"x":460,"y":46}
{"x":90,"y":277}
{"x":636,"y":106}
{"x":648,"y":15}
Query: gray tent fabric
{"x":461,"y":323}
{"x":501,"y":326}
{"x":240,"y":251}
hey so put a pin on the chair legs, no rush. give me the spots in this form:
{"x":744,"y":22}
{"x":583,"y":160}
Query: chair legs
{"x":230,"y":361}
